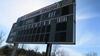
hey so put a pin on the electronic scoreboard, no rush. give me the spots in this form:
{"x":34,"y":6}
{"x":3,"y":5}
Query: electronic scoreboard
{"x":52,"y":24}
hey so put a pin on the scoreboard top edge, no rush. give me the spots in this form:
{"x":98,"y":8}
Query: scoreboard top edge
{"x":46,"y":9}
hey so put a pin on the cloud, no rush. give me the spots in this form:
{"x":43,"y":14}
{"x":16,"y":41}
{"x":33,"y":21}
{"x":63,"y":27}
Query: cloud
{"x":85,"y":10}
{"x":86,"y":15}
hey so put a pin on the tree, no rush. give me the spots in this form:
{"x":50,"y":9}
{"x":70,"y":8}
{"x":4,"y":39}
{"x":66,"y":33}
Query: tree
{"x":91,"y":54}
{"x":55,"y":49}
{"x":6,"y":50}
{"x":23,"y":46}
{"x":61,"y":53}
{"x":1,"y":37}
{"x":21,"y":49}
{"x":36,"y":48}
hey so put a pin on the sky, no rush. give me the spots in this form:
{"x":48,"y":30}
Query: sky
{"x":87,"y":23}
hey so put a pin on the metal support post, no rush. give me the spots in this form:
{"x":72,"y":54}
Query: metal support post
{"x":14,"y":49}
{"x":48,"y":50}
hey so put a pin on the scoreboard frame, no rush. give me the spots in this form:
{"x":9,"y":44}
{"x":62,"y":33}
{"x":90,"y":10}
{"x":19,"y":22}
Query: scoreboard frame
{"x":56,"y":21}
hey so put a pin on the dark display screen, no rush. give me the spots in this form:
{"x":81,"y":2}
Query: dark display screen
{"x":55,"y":26}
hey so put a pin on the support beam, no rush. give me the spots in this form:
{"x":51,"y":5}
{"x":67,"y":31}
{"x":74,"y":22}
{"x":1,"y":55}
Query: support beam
{"x":48,"y":50}
{"x":14,"y":50}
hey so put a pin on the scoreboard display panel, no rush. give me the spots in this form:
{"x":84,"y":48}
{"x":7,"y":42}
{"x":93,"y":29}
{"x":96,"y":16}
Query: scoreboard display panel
{"x":52,"y":24}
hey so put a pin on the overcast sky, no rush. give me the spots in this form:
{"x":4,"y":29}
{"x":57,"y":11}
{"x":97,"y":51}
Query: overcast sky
{"x":87,"y":22}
